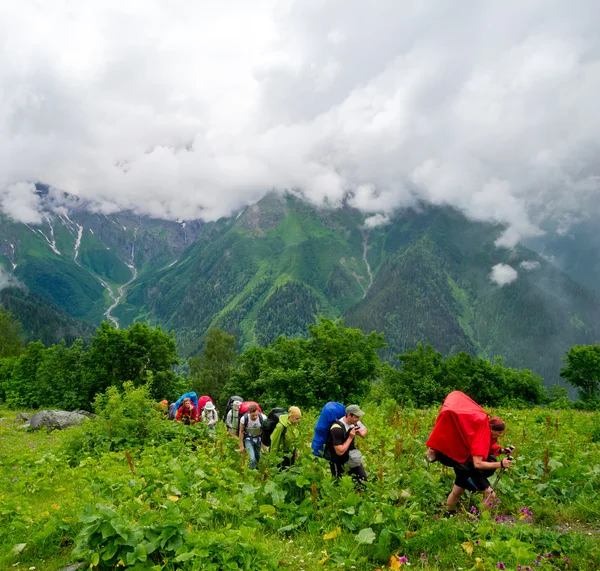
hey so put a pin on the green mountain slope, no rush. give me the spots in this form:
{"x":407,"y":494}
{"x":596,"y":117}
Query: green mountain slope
{"x":267,"y":272}
{"x":282,"y":262}
{"x":438,"y":290}
{"x":424,"y":277}
{"x":82,"y":261}
{"x":41,"y":320}
{"x":576,"y":251}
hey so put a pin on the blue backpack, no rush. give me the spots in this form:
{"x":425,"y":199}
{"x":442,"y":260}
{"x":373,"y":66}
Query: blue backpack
{"x":331,"y":412}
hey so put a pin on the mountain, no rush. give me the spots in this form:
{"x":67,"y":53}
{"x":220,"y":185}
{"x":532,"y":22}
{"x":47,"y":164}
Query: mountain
{"x":576,"y":251}
{"x":42,"y":320}
{"x":424,"y":277}
{"x":81,"y":261}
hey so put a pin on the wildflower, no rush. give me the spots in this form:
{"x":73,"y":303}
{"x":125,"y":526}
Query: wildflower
{"x":437,"y":557}
{"x":548,"y":555}
{"x":403,"y":559}
{"x":567,"y":559}
{"x":477,"y":542}
{"x":501,"y":565}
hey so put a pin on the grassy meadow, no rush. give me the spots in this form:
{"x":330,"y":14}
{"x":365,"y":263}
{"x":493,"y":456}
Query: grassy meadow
{"x":175,"y":498}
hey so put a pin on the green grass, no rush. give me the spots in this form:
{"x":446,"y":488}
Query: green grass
{"x":200,"y":487}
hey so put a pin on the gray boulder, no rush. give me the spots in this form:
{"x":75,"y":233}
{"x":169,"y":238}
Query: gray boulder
{"x":71,"y":567}
{"x":23,"y":416}
{"x":51,"y":419}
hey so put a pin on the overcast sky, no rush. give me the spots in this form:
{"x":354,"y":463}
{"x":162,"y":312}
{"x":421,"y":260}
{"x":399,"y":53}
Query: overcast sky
{"x":194,"y":109}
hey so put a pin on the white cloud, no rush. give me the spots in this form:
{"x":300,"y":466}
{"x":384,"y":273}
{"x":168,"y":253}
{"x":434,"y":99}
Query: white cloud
{"x":20,"y":202}
{"x":376,"y":220}
{"x":529,"y":265}
{"x":183,"y":111}
{"x":503,"y":274}
{"x":7,"y":280}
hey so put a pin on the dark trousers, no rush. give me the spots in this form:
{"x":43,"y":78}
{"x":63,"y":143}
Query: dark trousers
{"x":287,"y":461}
{"x":358,"y":473}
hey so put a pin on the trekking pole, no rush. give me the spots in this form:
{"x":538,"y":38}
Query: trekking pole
{"x":502,"y":470}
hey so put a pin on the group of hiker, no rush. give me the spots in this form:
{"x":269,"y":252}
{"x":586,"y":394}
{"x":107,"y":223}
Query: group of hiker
{"x":464,"y":438}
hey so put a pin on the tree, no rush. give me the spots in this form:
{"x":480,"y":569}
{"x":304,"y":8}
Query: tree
{"x":119,"y":355}
{"x":334,"y":363}
{"x":212,"y":371}
{"x":61,"y":378}
{"x":583,"y":370}
{"x":11,"y":343}
{"x":20,"y":386}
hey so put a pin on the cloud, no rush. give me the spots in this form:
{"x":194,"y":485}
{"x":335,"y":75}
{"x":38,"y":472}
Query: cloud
{"x":20,"y":202}
{"x":7,"y":280}
{"x":189,"y":112}
{"x":529,"y":265}
{"x":376,"y":220}
{"x":503,"y":274}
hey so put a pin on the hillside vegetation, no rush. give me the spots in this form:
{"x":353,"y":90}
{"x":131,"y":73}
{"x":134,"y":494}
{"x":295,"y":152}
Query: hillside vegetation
{"x":130,"y":490}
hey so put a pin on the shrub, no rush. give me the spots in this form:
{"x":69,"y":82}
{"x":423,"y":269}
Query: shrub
{"x":125,"y":420}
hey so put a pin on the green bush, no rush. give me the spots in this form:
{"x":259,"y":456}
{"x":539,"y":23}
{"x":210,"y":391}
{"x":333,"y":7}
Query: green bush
{"x":125,"y":420}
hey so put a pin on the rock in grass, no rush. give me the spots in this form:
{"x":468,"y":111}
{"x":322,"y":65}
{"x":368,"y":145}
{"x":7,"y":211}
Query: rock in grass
{"x":55,"y":419}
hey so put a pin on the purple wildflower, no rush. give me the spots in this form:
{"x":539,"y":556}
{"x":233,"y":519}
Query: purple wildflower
{"x":403,"y":559}
{"x":501,"y":565}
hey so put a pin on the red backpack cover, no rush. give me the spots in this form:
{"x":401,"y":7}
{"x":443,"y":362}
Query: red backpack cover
{"x":462,"y":429}
{"x":202,"y":403}
{"x":243,"y":408}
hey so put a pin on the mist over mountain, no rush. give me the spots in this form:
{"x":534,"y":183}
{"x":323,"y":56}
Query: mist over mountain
{"x":195,"y":114}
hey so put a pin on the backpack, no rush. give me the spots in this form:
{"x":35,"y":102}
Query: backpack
{"x":331,"y":412}
{"x":202,"y":403}
{"x":243,"y":412}
{"x":172,"y":411}
{"x":329,"y":453}
{"x":192,"y":396}
{"x":229,"y":406}
{"x":270,"y":423}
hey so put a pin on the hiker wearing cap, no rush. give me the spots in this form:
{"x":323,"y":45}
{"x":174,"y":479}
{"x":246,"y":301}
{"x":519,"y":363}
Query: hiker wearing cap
{"x":342,"y":449}
{"x":210,"y":415}
{"x":475,"y":477}
{"x":285,"y":437}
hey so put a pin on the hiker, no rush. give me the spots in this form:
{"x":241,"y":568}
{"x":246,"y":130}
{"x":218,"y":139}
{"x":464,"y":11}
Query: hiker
{"x":466,"y":439}
{"x":475,"y":479}
{"x":341,"y":447}
{"x":210,"y":415}
{"x":187,"y":413}
{"x":250,"y":429}
{"x":285,"y":436}
{"x":163,"y":407}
